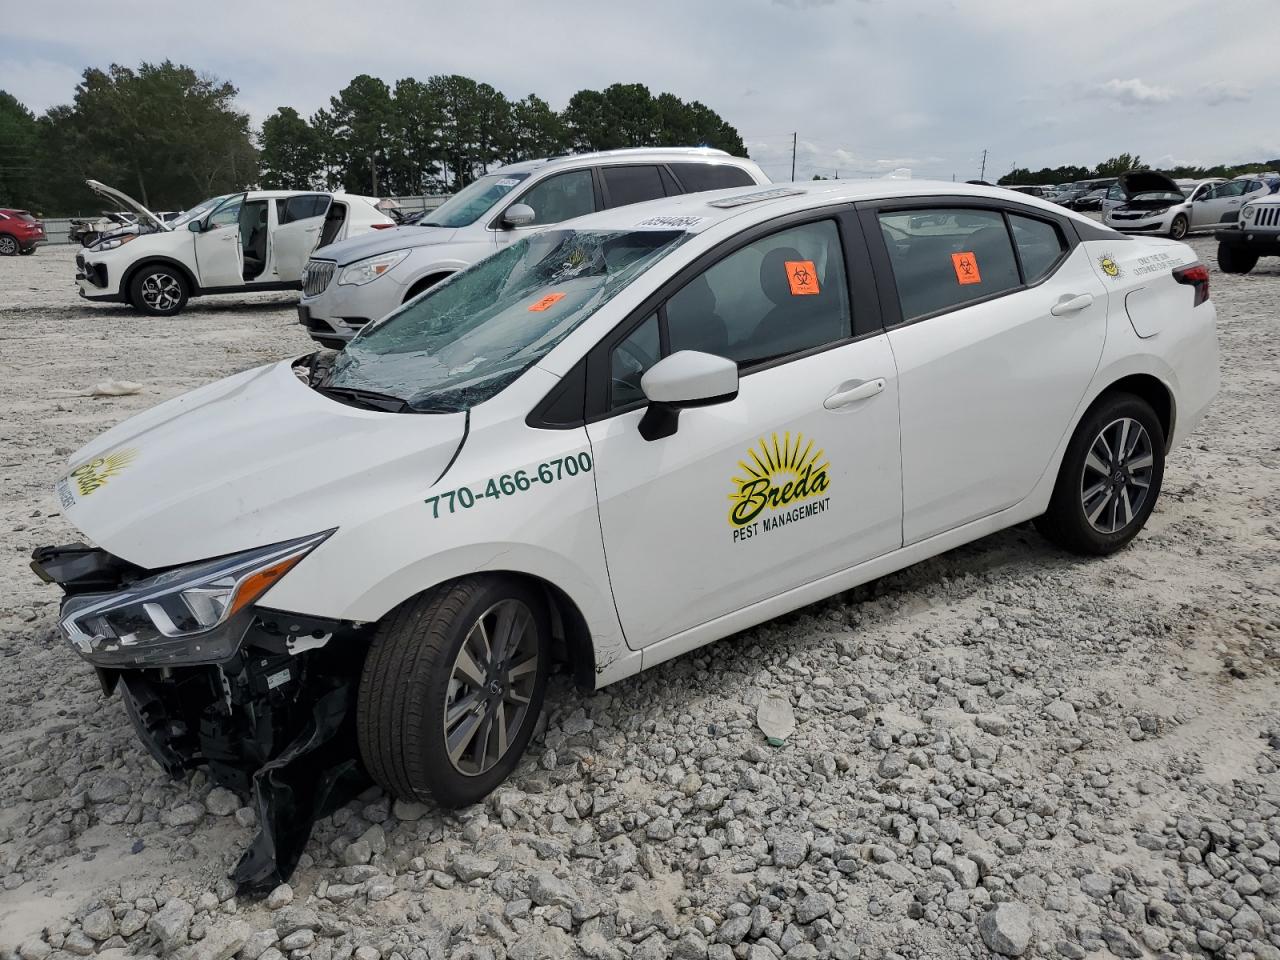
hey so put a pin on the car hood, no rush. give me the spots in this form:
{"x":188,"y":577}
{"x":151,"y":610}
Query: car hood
{"x":251,"y":460}
{"x":127,"y":202}
{"x":1147,"y":181}
{"x":383,"y":241}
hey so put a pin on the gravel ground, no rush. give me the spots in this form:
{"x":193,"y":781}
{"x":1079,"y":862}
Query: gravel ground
{"x":1003,"y":749}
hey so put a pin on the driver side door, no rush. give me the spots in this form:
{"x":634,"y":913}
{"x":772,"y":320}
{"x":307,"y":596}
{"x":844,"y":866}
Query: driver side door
{"x":299,"y":220}
{"x":1219,"y":204}
{"x":219,"y":256}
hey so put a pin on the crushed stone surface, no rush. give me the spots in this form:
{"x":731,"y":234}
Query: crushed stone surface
{"x":1003,"y":751}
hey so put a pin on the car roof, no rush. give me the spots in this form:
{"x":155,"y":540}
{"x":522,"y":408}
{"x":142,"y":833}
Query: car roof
{"x":651,"y":154}
{"x":697,"y":212}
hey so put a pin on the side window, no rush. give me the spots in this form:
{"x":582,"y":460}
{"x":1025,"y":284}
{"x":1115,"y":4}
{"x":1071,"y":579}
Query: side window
{"x":304,"y":207}
{"x":697,"y":177}
{"x":632,"y":184}
{"x":629,"y":361}
{"x":944,"y":258}
{"x":226,"y":215}
{"x":1039,"y":244}
{"x":1232,"y":188}
{"x":562,"y":197}
{"x":776,"y":296}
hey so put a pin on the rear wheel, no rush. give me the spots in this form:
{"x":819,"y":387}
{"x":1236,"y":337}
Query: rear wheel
{"x":8,"y":246}
{"x":1109,"y":479}
{"x":1234,"y":259}
{"x":1178,"y":229}
{"x":158,"y":290}
{"x":452,"y":688}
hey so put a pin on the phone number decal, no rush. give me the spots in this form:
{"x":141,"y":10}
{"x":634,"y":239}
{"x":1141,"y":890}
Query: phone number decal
{"x":510,"y":484}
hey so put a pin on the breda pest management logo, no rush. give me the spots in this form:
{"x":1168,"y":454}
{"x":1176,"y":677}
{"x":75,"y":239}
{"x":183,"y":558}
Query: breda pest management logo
{"x":88,"y":477}
{"x":782,"y":480}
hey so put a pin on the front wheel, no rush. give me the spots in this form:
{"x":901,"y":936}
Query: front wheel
{"x":28,"y":251}
{"x":1109,"y":479}
{"x":1178,"y":229}
{"x":452,"y":688}
{"x":1234,"y":259}
{"x":159,"y":291}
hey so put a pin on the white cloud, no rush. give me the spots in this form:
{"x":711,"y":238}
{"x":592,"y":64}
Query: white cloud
{"x":1133,"y":92}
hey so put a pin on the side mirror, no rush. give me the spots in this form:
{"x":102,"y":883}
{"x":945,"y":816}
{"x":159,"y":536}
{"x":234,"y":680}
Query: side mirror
{"x":688,"y":378}
{"x":518,"y":215}
{"x":195,"y":226}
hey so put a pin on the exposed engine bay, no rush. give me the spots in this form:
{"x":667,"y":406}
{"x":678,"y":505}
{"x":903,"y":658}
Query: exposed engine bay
{"x":274,"y":722}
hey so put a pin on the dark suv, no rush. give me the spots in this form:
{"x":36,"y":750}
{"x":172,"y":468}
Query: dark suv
{"x":20,"y":232}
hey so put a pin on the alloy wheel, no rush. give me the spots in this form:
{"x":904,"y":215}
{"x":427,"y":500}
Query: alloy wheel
{"x":490,"y":687}
{"x":1179,"y":228}
{"x":1116,"y":480}
{"x":8,"y":246}
{"x":161,"y":291}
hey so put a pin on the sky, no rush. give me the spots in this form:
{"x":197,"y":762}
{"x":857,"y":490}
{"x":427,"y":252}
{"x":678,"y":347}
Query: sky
{"x":867,"y":86}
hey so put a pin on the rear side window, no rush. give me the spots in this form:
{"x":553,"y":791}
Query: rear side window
{"x":628,"y":185}
{"x":945,"y":258}
{"x":303,"y":208}
{"x":1039,"y":244}
{"x":696,"y":177}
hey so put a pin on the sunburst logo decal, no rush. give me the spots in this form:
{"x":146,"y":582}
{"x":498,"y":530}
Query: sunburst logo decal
{"x":90,"y":476}
{"x":1109,"y":266}
{"x":778,"y":473}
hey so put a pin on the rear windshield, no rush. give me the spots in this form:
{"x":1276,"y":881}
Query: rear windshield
{"x":469,"y":337}
{"x":470,"y":204}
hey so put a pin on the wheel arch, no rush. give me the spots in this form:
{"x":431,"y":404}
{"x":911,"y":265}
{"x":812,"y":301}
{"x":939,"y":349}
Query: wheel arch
{"x":126,"y":281}
{"x":429,"y":279}
{"x":1150,"y":388}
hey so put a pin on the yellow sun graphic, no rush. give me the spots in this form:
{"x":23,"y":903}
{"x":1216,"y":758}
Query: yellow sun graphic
{"x":780,"y":472}
{"x":90,"y":476}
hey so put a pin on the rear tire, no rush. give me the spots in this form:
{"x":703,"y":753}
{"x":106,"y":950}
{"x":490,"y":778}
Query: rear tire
{"x":28,"y":251}
{"x":437,"y":723}
{"x":8,"y":245}
{"x":1178,"y":229}
{"x":158,"y":290}
{"x":1234,"y":259}
{"x":1105,"y":494}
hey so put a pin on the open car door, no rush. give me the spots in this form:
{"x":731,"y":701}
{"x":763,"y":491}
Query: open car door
{"x":299,"y":220}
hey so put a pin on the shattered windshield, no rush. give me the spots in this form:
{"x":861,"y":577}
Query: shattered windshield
{"x":469,"y":337}
{"x":469,"y":204}
{"x":196,"y":212}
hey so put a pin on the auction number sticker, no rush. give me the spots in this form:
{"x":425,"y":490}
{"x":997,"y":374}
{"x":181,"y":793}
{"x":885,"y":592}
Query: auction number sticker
{"x":510,"y":484}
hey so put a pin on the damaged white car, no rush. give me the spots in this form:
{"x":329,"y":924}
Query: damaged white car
{"x":608,"y":444}
{"x":254,"y":240}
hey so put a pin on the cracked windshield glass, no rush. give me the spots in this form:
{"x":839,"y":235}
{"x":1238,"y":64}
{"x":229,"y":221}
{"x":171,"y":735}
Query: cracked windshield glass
{"x":467,"y":339}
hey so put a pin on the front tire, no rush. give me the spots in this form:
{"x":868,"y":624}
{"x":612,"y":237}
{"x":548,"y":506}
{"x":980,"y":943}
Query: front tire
{"x":8,"y":245}
{"x":1110,"y":478}
{"x":1178,"y":229}
{"x":159,"y":291}
{"x":1234,"y":259}
{"x":452,"y":688}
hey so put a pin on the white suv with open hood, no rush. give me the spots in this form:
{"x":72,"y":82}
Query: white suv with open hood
{"x":251,"y":240}
{"x":349,"y":285}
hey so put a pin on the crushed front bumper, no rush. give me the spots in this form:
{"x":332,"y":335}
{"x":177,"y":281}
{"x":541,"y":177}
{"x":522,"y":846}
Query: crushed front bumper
{"x":273,"y":719}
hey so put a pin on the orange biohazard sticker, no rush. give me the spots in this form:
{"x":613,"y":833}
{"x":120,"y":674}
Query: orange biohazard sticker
{"x":966,"y":265}
{"x":802,"y":277}
{"x":545,"y":302}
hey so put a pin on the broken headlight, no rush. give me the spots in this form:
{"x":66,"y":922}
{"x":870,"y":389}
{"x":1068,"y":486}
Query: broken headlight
{"x":371,"y":268}
{"x":192,"y":614}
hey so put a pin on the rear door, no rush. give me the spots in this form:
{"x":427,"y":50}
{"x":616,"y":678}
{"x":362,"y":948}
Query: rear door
{"x":989,"y":376}
{"x":631,"y":183}
{"x":299,"y":220}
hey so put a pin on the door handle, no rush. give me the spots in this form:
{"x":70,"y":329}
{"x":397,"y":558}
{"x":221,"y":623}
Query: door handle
{"x":852,"y":392}
{"x":1069,"y":304}
{"x":314,"y":229}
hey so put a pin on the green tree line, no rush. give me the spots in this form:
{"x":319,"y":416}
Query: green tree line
{"x":1114,"y":166}
{"x":172,"y":136}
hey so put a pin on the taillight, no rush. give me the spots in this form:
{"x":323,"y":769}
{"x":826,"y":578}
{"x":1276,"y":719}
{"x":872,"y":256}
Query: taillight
{"x":382,"y":226}
{"x":1196,"y":275}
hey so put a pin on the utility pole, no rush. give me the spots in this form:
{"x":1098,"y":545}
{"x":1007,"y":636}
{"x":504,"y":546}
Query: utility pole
{"x":793,"y":155}
{"x":983,"y":174}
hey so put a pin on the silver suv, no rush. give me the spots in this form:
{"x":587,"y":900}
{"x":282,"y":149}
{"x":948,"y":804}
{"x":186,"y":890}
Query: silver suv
{"x":349,"y":284}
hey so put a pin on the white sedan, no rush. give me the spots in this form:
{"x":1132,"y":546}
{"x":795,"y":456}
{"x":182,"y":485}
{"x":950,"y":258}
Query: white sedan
{"x":612,"y":443}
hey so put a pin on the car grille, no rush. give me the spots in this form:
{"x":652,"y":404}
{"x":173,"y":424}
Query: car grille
{"x":1267,"y":216}
{"x":316,"y":277}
